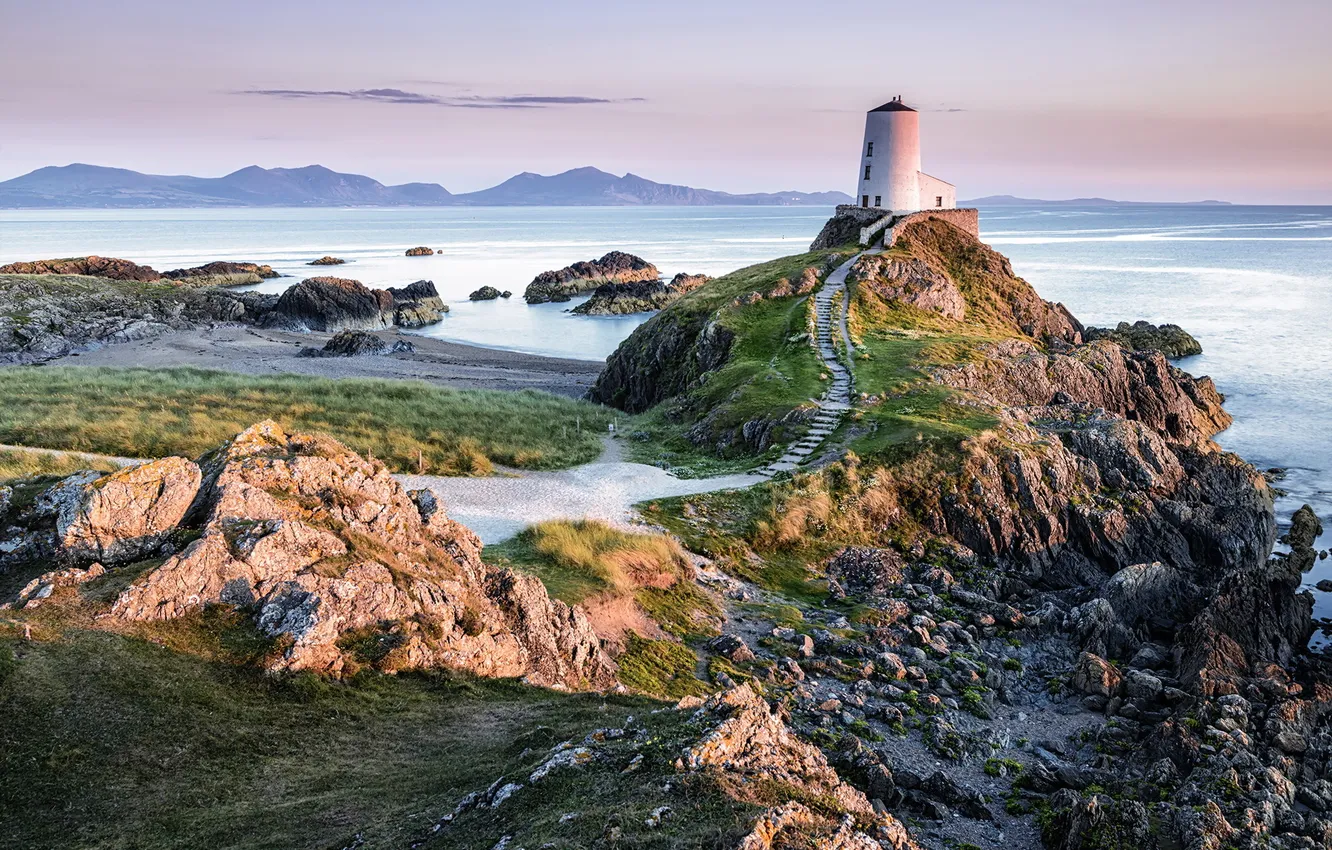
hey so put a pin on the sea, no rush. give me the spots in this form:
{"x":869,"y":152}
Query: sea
{"x":1252,"y":283}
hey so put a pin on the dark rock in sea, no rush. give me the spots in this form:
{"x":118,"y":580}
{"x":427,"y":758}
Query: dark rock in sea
{"x":223,"y":273}
{"x":485,"y":293}
{"x":613,"y":299}
{"x":1171,"y":340}
{"x":419,"y":251}
{"x":563,"y":284}
{"x":94,"y":266}
{"x":327,"y":261}
{"x":417,"y":304}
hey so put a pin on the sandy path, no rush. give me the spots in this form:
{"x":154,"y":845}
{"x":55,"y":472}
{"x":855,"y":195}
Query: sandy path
{"x":496,"y":508}
{"x":251,"y":351}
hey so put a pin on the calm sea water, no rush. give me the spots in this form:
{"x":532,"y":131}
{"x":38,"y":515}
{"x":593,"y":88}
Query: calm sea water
{"x":1254,"y":284}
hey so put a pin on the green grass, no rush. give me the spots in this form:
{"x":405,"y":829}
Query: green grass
{"x":157,"y":412}
{"x":662,"y":668}
{"x":770,"y":371}
{"x":112,"y":742}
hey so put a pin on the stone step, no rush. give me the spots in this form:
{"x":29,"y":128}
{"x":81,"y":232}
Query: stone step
{"x":801,"y":452}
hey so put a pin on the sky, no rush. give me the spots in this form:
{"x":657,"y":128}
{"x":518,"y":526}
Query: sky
{"x":1177,"y":100}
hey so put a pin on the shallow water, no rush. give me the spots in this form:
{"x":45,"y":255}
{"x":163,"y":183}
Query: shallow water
{"x":1254,"y":284}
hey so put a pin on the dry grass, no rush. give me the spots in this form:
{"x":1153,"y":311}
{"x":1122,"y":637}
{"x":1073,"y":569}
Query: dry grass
{"x":23,"y":463}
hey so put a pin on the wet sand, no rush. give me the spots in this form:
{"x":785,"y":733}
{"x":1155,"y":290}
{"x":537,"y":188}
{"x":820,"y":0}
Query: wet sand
{"x":252,"y":351}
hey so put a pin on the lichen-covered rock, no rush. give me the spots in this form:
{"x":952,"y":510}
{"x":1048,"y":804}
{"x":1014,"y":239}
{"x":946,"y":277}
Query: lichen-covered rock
{"x":327,"y":261}
{"x":333,"y":557}
{"x":124,"y":515}
{"x":222,"y":273}
{"x":620,"y":298}
{"x":909,"y":282}
{"x":485,"y":293}
{"x":1171,"y":340}
{"x":743,"y":737}
{"x":333,"y":304}
{"x":563,"y":284}
{"x":349,"y":344}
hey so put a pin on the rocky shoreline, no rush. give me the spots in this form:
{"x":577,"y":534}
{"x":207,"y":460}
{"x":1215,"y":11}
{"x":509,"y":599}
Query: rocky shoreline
{"x":562,"y":284}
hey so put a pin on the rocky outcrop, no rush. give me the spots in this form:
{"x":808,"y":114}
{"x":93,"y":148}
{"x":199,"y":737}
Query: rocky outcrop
{"x":661,"y":359}
{"x":1139,"y":386}
{"x":909,"y":282}
{"x":563,"y":284}
{"x":420,"y":251}
{"x":223,"y":273}
{"x":616,"y":299}
{"x":327,"y":260}
{"x":1171,"y":340}
{"x":325,"y":550}
{"x":488,"y":293}
{"x":44,"y":317}
{"x":743,"y":737}
{"x":334,"y":304}
{"x":110,"y":268}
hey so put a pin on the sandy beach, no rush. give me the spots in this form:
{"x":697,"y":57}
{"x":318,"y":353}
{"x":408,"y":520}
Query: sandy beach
{"x":237,"y":348}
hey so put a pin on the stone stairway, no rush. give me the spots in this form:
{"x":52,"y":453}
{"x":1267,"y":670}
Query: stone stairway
{"x":830,"y":307}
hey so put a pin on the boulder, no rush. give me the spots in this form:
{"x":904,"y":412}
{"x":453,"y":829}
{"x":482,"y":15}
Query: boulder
{"x":327,"y":261}
{"x":334,"y":558}
{"x":420,"y":251}
{"x":866,"y":571}
{"x":333,"y":304}
{"x":1092,"y":674}
{"x":349,"y":344}
{"x":223,"y":273}
{"x":125,"y":515}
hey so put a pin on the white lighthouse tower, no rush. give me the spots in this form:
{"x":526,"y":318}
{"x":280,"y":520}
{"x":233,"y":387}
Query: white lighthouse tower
{"x":890,"y":177}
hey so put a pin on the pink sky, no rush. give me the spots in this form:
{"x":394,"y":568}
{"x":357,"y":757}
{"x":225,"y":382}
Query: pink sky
{"x":1224,"y":99}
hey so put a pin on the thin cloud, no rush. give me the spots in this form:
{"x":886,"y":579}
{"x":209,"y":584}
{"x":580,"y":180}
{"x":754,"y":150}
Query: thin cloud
{"x":517,"y":101}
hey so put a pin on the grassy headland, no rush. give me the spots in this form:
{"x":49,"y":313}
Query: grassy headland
{"x":410,"y":425}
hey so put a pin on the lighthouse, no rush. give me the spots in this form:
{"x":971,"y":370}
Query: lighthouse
{"x":890,"y":177}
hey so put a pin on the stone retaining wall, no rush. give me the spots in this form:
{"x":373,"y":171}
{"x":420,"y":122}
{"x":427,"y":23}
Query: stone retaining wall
{"x":864,"y":224}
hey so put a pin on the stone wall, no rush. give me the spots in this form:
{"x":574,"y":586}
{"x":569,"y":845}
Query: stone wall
{"x":862,"y":225}
{"x":965,"y":219}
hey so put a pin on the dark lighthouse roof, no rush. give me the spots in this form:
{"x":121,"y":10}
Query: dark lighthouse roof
{"x":894,"y":105}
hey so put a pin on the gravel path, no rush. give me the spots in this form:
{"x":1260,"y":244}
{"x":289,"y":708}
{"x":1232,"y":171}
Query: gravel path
{"x":837,"y":399}
{"x":498,"y":507}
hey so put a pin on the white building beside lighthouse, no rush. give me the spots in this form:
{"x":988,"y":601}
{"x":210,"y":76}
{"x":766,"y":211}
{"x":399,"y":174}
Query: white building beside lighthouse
{"x":890,"y":177}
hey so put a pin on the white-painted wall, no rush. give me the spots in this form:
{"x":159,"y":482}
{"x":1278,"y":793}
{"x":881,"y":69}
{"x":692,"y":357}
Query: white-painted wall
{"x":895,"y":164}
{"x":932,"y":189}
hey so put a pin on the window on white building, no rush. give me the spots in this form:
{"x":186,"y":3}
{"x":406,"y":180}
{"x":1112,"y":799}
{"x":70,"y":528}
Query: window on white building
{"x":938,"y":200}
{"x":878,"y":200}
{"x":864,"y":200}
{"x":870,"y":151}
{"x":867,"y":171}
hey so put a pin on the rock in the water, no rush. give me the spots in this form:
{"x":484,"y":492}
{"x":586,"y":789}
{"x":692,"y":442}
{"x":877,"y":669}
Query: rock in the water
{"x":563,"y":284}
{"x":485,"y":293}
{"x":333,"y":304}
{"x":417,"y":304}
{"x":222,"y":273}
{"x":420,"y":251}
{"x":107,"y":267}
{"x":1171,"y":340}
{"x":334,"y":557}
{"x":327,"y":261}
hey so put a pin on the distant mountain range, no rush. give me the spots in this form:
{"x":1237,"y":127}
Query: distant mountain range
{"x":84,"y":186}
{"x":1009,"y":200}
